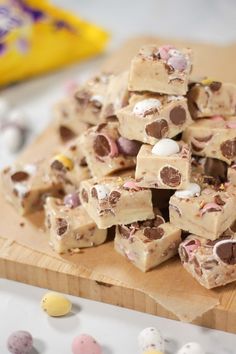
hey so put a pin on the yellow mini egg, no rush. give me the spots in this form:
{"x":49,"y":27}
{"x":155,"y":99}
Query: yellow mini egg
{"x":65,"y":161}
{"x":207,"y":82}
{"x":55,"y":304}
{"x":153,"y":351}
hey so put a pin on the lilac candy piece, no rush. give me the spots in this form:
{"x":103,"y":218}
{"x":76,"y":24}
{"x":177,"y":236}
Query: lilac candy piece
{"x":163,"y":51}
{"x":72,"y":200}
{"x":20,"y":342}
{"x":128,"y":147}
{"x":178,"y":62}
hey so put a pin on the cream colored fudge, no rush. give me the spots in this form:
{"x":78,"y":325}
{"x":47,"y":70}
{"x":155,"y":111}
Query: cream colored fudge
{"x":115,"y":200}
{"x":147,"y":243}
{"x":211,"y":263}
{"x":151,"y":117}
{"x":164,"y":69}
{"x":27,"y":185}
{"x":90,"y":99}
{"x":117,"y":95}
{"x":67,"y":119}
{"x":70,"y":228}
{"x":213,"y":137}
{"x":104,"y":155}
{"x":207,"y":98}
{"x":231,"y":174}
{"x":207,"y":215}
{"x":164,"y":172}
{"x":69,"y":166}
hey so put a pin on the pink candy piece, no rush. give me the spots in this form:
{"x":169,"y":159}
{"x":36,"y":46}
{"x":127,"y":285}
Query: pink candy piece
{"x":112,"y":145}
{"x":178,"y":62}
{"x":163,"y":51}
{"x":210,"y":207}
{"x":191,"y":246}
{"x":128,"y":147}
{"x":217,"y":118}
{"x":85,"y":344}
{"x":131,"y":185}
{"x":199,"y":144}
{"x":231,"y":125}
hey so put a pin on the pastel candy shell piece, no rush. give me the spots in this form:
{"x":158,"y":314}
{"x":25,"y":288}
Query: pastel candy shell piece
{"x":85,"y":344}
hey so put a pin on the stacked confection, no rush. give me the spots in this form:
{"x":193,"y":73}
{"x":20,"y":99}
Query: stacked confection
{"x":149,"y":153}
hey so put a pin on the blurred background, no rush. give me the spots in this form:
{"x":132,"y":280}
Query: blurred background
{"x":203,"y":20}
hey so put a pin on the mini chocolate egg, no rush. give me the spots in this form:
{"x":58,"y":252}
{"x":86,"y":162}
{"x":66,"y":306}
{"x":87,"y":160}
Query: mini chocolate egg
{"x":166,"y":147}
{"x":151,"y":339}
{"x":85,"y":344}
{"x":55,"y":304}
{"x":128,"y":147}
{"x":20,"y":342}
{"x":64,"y":161}
{"x":12,"y":137}
{"x":17,"y":116}
{"x":191,"y":348}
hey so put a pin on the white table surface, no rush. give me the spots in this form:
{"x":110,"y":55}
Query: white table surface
{"x":115,"y":328}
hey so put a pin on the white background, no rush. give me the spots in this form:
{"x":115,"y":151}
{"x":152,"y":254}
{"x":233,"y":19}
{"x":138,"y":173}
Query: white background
{"x":115,"y":328}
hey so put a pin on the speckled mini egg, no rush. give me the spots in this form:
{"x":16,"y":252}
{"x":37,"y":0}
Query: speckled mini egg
{"x":85,"y":344}
{"x":150,"y":339}
{"x":20,"y":342}
{"x":55,"y":304}
{"x":191,"y":348}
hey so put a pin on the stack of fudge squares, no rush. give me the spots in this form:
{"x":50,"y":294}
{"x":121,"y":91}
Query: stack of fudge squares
{"x":149,"y":156}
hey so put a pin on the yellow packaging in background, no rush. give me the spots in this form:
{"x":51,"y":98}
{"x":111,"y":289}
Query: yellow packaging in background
{"x":36,"y":37}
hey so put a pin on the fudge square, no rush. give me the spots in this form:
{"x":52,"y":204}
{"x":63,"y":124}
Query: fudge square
{"x":69,"y":166}
{"x":213,"y":137}
{"x":103,"y":149}
{"x":69,"y":225}
{"x":115,"y":200}
{"x":67,"y":120}
{"x":89,"y":98}
{"x":167,"y":165}
{"x":211,"y":263}
{"x":165,"y":69}
{"x":151,"y":117}
{"x":147,"y":243}
{"x":207,"y":213}
{"x":207,"y":98}
{"x":117,"y":95}
{"x":27,"y":185}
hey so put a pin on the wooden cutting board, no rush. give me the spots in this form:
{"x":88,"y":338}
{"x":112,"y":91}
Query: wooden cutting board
{"x":167,"y":291}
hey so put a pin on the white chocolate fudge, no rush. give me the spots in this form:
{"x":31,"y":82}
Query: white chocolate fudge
{"x":147,"y":243}
{"x":213,"y":137}
{"x":117,"y":95}
{"x":101,"y":146}
{"x":165,"y":172}
{"x":67,"y":120}
{"x":231,"y":174}
{"x":115,"y":200}
{"x":69,"y":166}
{"x":211,"y":263}
{"x":164,"y":69}
{"x":70,"y":227}
{"x":90,"y":98}
{"x":151,"y":117}
{"x":26,"y":186}
{"x":207,"y":98}
{"x":208,"y":214}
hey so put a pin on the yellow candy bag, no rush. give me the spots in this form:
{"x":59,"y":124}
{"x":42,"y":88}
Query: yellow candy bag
{"x":36,"y":37}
